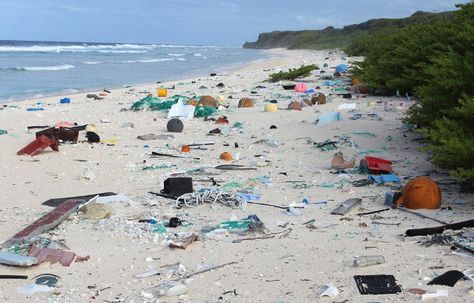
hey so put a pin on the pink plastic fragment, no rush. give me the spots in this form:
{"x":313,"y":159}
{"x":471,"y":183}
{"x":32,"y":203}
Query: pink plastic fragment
{"x":56,"y":255}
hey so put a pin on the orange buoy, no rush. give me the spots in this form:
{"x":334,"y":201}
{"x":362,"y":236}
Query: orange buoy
{"x":208,"y":101}
{"x":245,"y":102}
{"x":421,"y":192}
{"x":318,"y":98}
{"x":185,"y":149}
{"x":295,"y":105}
{"x":226,"y":156}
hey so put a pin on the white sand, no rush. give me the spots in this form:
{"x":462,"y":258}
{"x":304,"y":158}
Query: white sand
{"x":291,"y":269}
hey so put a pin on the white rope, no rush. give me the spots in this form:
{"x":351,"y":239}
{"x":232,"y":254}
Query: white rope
{"x":211,"y":196}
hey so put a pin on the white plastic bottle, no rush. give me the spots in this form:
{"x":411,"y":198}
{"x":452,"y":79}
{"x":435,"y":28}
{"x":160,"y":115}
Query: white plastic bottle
{"x":364,"y":261}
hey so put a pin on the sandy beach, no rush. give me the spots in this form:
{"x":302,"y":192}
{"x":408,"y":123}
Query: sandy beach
{"x":292,"y":261}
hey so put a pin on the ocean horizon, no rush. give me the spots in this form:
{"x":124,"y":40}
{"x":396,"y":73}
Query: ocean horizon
{"x":35,"y":69}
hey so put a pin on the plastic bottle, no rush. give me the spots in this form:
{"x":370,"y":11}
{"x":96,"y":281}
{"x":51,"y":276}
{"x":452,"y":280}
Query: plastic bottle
{"x":170,"y":289}
{"x":364,"y":261}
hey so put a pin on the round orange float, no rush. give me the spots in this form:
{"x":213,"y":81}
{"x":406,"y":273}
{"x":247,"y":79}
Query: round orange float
{"x":226,"y":156}
{"x":421,"y":192}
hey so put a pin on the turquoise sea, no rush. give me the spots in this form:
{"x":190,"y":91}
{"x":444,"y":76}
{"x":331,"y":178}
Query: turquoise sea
{"x":31,"y":69}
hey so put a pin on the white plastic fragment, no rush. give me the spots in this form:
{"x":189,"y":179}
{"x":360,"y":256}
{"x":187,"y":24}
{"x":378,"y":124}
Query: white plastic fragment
{"x":88,"y":174}
{"x":17,"y":260}
{"x":30,"y":289}
{"x":439,"y":293}
{"x":291,"y":211}
{"x":469,"y":274}
{"x":179,"y":110}
{"x":113,"y":198}
{"x":170,"y":289}
{"x":346,"y":106}
{"x":330,"y":291}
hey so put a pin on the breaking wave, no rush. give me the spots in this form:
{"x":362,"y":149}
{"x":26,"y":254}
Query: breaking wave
{"x":113,"y":48}
{"x":42,"y":68}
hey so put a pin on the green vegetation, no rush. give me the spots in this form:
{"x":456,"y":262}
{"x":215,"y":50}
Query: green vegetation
{"x":434,"y":62}
{"x":293,"y":73}
{"x":331,"y":37}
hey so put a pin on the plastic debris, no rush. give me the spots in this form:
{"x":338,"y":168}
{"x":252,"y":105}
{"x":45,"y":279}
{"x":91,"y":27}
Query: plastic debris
{"x":328,"y":118}
{"x":31,"y":289}
{"x":330,"y":291}
{"x":438,"y":294}
{"x":170,"y":289}
{"x":17,"y":260}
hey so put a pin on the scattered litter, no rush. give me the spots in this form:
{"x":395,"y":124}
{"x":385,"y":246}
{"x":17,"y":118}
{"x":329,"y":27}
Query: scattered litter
{"x":211,"y":196}
{"x":330,"y":291}
{"x":377,"y":284}
{"x":438,"y":294}
{"x":346,"y":106}
{"x":17,"y":260}
{"x":384,"y":178}
{"x":47,"y":279}
{"x":56,"y":255}
{"x":31,"y":289}
{"x":364,"y":261}
{"x":346,"y":206}
{"x":184,"y":242}
{"x":328,"y":118}
{"x":449,"y":278}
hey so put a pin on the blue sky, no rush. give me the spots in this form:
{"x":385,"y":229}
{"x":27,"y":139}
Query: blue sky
{"x":205,"y":22}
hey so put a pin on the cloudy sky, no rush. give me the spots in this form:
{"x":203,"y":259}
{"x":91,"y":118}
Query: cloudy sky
{"x":205,"y":22}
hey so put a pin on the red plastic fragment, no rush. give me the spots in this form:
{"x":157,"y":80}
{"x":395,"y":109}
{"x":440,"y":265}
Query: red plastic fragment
{"x":46,"y":222}
{"x":52,"y":255}
{"x":38,"y":145}
{"x":376,"y":165}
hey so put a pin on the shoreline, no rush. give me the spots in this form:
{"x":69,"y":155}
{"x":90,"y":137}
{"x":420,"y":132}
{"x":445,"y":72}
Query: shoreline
{"x":272,"y":54}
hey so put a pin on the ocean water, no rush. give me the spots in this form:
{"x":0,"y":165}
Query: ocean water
{"x":33,"y":69}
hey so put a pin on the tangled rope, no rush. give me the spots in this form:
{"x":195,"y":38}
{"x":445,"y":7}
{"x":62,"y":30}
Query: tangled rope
{"x":211,"y":196}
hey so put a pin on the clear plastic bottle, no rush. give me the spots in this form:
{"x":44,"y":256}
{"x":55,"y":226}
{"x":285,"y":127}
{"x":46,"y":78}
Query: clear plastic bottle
{"x":364,"y":261}
{"x":170,"y":289}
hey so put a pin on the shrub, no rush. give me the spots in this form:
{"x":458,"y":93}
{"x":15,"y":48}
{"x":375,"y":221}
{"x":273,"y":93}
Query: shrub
{"x":293,"y":73}
{"x":434,"y":62}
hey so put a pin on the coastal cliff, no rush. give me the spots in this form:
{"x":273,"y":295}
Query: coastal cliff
{"x":331,"y":37}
